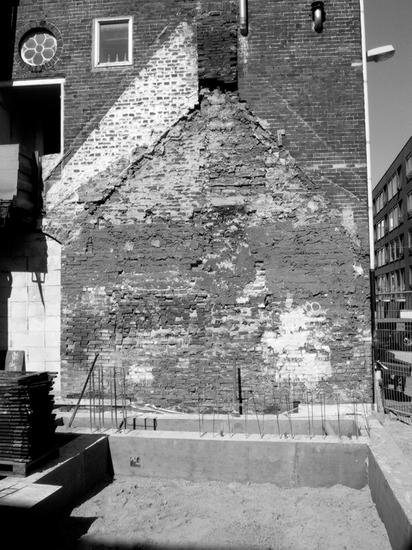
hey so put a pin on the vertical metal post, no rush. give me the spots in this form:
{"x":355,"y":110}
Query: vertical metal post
{"x":115,"y":397}
{"x":239,"y":389}
{"x":308,"y":411}
{"x":111,"y":396}
{"x":124,"y":399}
{"x":90,"y":404}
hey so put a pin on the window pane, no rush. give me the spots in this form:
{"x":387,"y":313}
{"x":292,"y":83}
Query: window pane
{"x":114,"y":39}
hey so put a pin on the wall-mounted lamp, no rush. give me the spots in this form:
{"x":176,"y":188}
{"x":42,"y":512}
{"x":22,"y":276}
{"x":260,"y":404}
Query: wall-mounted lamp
{"x":318,"y":16}
{"x":243,"y":19}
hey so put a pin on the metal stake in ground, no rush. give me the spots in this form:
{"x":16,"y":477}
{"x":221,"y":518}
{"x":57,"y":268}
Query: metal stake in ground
{"x":308,"y":411}
{"x":338,"y":407}
{"x":83,"y":390}
{"x":256,"y":413}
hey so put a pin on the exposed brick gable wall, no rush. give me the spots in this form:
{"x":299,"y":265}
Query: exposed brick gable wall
{"x":191,"y":242}
{"x":214,"y":252}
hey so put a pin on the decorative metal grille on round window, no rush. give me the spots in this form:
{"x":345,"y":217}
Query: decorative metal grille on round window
{"x":38,"y":47}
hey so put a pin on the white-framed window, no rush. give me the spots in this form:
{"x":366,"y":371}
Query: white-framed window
{"x":380,"y":201}
{"x":113,"y":41}
{"x":400,"y":279}
{"x":382,"y":283}
{"x":394,"y":217}
{"x":381,"y":257}
{"x":409,"y":204}
{"x":394,"y":184}
{"x":380,"y":230}
{"x":408,"y":166}
{"x":395,"y":249}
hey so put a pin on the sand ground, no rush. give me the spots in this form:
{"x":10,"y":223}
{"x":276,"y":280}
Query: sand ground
{"x":144,"y":513}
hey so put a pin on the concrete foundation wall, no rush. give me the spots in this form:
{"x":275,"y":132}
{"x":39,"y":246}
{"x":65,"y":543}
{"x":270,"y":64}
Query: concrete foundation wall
{"x":286,"y":463}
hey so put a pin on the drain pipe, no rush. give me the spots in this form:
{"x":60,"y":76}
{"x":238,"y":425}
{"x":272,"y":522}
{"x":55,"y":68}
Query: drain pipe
{"x":367,"y":138}
{"x":369,"y":187}
{"x":243,"y":17}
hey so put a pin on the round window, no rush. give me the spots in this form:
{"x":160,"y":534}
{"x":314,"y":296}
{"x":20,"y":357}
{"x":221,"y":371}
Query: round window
{"x":38,"y":47}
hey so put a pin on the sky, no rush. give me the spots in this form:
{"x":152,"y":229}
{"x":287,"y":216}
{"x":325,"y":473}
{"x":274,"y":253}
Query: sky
{"x":389,"y":82}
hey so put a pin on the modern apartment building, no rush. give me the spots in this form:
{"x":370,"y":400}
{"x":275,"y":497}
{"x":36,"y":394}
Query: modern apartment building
{"x":392,"y":209}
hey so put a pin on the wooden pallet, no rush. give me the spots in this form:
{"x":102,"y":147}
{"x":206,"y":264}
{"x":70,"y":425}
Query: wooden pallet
{"x":23,"y":468}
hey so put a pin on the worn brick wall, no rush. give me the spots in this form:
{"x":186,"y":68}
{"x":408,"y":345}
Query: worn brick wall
{"x":90,"y":92}
{"x":311,"y":85}
{"x":192,"y":243}
{"x":214,"y":252}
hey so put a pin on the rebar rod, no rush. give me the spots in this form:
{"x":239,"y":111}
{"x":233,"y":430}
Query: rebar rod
{"x":309,"y":426}
{"x":99,"y":399}
{"x":115,"y":397}
{"x":338,"y":407}
{"x":366,"y":419}
{"x":263,"y":413}
{"x":102,"y":381}
{"x":246,"y":411}
{"x":256,"y":413}
{"x":355,"y":417}
{"x":94,"y":400}
{"x":111,"y":397}
{"x":90,"y":404}
{"x":198,"y":413}
{"x":323,"y":405}
{"x":124,"y":398}
{"x":83,"y":390}
{"x":289,"y":416}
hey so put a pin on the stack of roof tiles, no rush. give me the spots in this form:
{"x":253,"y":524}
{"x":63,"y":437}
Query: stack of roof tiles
{"x":27,"y":422}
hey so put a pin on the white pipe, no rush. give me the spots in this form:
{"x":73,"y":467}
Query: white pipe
{"x":367,"y":138}
{"x":243,"y":17}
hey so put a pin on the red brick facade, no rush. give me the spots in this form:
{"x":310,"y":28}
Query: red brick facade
{"x":192,"y":242}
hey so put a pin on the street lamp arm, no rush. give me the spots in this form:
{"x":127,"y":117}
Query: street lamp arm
{"x":382,"y":53}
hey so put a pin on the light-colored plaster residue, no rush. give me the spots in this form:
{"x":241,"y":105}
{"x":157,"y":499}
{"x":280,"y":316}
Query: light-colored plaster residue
{"x":295,"y":350}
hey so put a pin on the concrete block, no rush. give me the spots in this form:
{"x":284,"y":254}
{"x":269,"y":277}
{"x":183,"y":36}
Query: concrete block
{"x":18,"y":325}
{"x":35,"y":339}
{"x":53,"y":277}
{"x":36,"y":309}
{"x":18,"y":309}
{"x":34,"y":294}
{"x":52,"y":293}
{"x":390,"y":484}
{"x":36,"y":323}
{"x":53,"y":308}
{"x":20,"y":282}
{"x":52,"y":323}
{"x":52,"y":338}
{"x":17,"y":340}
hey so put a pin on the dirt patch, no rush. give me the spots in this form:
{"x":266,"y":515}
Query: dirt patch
{"x":168,"y":514}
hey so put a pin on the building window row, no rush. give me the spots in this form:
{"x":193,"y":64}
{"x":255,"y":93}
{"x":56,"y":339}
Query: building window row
{"x":392,"y":220}
{"x":391,"y":282}
{"x":409,"y":166}
{"x":381,"y":257}
{"x":394,"y":184}
{"x":394,"y":217}
{"x":392,"y":187}
{"x":392,"y":252}
{"x":380,"y":201}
